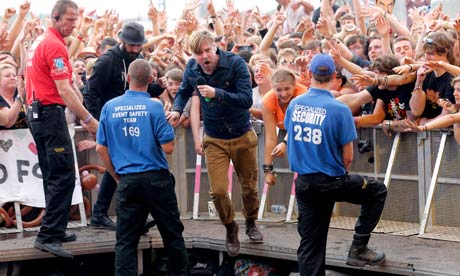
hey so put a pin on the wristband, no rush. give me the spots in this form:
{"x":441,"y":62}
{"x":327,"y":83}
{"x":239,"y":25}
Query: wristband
{"x":88,"y":119}
{"x":268,"y":169}
{"x":284,"y":141}
{"x":19,"y":99}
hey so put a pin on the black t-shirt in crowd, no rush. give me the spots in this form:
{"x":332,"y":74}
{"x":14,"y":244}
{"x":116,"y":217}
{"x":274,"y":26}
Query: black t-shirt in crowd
{"x":20,"y":121}
{"x":436,"y":88}
{"x":396,"y":102}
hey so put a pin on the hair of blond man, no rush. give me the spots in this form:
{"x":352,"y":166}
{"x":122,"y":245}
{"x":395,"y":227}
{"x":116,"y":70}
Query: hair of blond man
{"x":140,"y":72}
{"x":282,"y":75}
{"x":197,"y":38}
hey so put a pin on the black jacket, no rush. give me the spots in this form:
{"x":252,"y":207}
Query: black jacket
{"x":109,"y":80}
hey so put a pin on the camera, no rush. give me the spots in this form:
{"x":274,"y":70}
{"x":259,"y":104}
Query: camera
{"x":245,"y":48}
{"x":364,"y":145}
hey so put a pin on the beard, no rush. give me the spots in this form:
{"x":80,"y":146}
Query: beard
{"x":129,"y":56}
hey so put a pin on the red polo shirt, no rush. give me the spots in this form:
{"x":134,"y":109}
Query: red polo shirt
{"x":48,"y":60}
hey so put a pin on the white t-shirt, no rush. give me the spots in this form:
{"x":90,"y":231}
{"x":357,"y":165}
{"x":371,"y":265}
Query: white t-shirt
{"x":293,"y":17}
{"x":256,"y":98}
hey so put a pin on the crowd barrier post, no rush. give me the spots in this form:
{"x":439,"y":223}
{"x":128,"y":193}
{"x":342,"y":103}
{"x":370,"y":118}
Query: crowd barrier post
{"x":81,"y":206}
{"x":263,"y":201}
{"x":291,"y":203}
{"x":434,"y":180}
{"x":196,"y":195}
{"x":392,"y":159}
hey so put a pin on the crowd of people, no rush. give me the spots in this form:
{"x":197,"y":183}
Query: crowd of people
{"x":312,"y":75}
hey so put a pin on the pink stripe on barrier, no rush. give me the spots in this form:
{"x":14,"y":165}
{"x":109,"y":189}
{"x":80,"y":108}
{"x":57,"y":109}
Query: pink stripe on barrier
{"x":265,"y":190}
{"x":293,"y":184}
{"x":197,"y":178}
{"x":197,"y":174}
{"x":230,"y":177}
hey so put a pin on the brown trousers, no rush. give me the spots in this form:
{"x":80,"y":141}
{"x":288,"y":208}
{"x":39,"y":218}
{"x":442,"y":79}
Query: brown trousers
{"x":243,"y":152}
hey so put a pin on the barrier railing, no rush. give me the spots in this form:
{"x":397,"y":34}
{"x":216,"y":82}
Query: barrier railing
{"x":405,"y":161}
{"x":418,"y":182}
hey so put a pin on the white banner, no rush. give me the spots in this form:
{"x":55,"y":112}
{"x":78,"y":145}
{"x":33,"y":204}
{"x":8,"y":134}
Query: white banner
{"x":20,"y":175}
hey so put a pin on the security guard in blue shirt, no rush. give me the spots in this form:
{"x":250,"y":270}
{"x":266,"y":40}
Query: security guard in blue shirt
{"x":320,"y":133}
{"x":132,"y":139}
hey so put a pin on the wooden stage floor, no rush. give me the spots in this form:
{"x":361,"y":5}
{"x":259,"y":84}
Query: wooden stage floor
{"x":406,"y":255}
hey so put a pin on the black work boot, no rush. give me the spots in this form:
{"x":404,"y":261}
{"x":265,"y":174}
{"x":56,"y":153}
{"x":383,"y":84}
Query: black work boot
{"x":360,"y":255}
{"x":232,"y":243}
{"x":253,"y":232}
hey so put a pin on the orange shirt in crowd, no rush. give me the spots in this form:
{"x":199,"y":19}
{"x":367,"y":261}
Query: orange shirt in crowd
{"x":270,"y":101}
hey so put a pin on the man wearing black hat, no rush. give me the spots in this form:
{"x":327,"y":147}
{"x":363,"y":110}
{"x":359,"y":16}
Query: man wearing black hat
{"x":320,"y":133}
{"x":109,"y":80}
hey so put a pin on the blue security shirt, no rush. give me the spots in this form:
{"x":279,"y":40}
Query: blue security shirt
{"x":134,"y":127}
{"x":225,"y":116}
{"x":318,"y":126}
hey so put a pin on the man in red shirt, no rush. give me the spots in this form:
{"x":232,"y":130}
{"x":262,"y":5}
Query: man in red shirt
{"x":49,"y":91}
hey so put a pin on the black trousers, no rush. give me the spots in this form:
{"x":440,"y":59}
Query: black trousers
{"x":316,"y":195}
{"x":106,"y":191}
{"x":137,"y":195}
{"x":57,"y":166}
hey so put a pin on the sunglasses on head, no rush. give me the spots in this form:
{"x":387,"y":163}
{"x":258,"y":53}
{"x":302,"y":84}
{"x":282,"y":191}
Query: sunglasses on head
{"x":428,"y":40}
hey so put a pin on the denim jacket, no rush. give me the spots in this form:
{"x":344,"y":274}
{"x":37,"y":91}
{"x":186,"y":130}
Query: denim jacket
{"x":226,"y":116}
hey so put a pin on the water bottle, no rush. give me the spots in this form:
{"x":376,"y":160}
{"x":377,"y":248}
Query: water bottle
{"x":278,"y":209}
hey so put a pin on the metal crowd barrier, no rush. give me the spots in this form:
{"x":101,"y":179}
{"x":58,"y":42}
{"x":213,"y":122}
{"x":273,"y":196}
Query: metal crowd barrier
{"x":422,"y":168}
{"x":422,"y":198}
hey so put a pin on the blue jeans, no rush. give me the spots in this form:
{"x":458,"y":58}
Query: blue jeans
{"x":137,"y":195}
{"x":316,"y":194}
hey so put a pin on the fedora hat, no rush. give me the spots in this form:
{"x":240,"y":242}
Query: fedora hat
{"x":132,"y":33}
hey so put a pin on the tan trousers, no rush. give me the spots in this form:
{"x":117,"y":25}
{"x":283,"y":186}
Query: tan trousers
{"x":243,"y":152}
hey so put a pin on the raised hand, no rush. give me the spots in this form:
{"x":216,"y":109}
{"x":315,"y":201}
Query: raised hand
{"x":9,"y":12}
{"x":302,"y":62}
{"x":210,"y":8}
{"x":323,"y":27}
{"x":447,"y":105}
{"x":230,"y":5}
{"x":402,"y":69}
{"x":421,"y":74}
{"x":372,"y":12}
{"x":457,"y":25}
{"x":152,"y":13}
{"x":363,"y":80}
{"x":279,"y":19}
{"x":383,"y":26}
{"x":24,"y":8}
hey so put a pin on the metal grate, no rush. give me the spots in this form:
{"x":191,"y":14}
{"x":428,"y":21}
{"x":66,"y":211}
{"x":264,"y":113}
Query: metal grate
{"x":442,"y":233}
